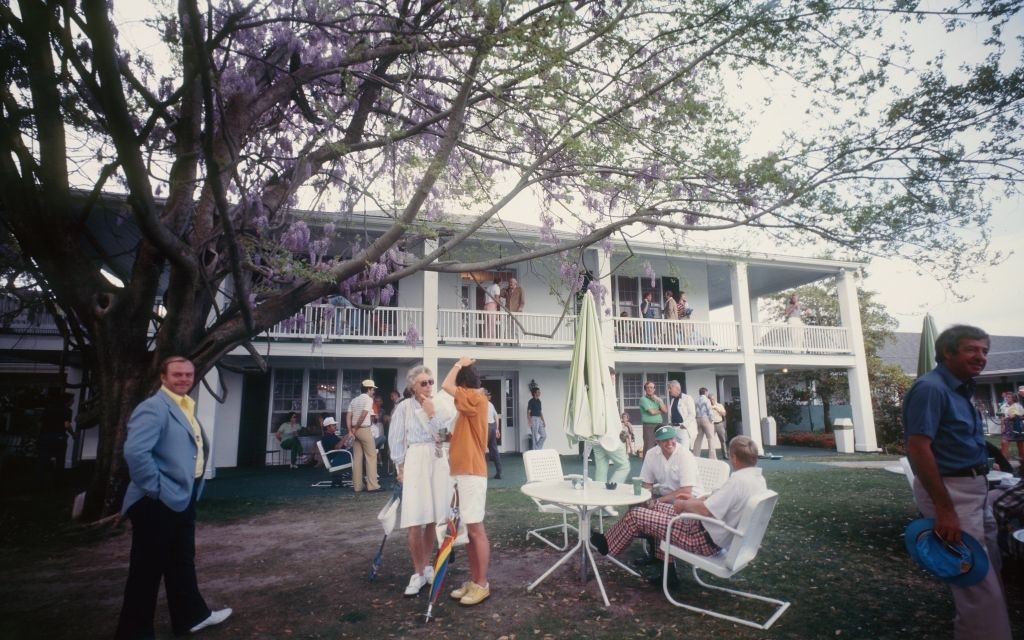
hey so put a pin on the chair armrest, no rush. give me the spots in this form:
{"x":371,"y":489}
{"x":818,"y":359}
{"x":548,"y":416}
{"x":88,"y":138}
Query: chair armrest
{"x":344,"y":452}
{"x":698,"y":517}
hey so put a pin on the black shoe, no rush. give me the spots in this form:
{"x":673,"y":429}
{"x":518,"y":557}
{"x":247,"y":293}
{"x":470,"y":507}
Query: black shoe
{"x":497,"y":477}
{"x":673,"y":578}
{"x":600,"y":542}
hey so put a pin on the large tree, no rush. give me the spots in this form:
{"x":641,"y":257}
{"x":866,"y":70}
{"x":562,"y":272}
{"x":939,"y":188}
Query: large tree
{"x":613,"y":112}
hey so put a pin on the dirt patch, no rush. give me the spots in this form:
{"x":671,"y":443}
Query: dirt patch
{"x":295,"y":573}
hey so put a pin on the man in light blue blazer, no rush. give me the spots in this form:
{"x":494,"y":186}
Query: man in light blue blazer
{"x":166,"y":451}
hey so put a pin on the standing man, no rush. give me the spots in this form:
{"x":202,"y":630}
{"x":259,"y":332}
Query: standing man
{"x":945,"y":439}
{"x":610,"y":450}
{"x":469,"y":471}
{"x":651,"y":409}
{"x":359,"y":419}
{"x":705,"y":415}
{"x":166,"y":451}
{"x":538,"y":428}
{"x":515,"y":296}
{"x":493,"y":435}
{"x":682,"y":413}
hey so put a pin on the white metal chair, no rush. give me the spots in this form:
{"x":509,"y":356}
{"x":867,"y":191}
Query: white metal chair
{"x":712,"y":473}
{"x":542,"y":465}
{"x":908,"y":471}
{"x":336,"y":461}
{"x":745,"y":544}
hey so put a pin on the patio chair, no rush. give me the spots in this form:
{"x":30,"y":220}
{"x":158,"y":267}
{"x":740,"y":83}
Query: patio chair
{"x":712,"y":473}
{"x":908,"y":471}
{"x":338,"y":463}
{"x":543,"y":465}
{"x":745,"y":544}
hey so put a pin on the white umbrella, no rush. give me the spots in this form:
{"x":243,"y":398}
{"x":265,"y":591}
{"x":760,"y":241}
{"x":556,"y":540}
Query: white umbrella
{"x":591,"y":410}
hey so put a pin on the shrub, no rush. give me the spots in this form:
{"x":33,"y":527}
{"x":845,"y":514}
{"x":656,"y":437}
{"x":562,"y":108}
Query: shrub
{"x":807,"y":439}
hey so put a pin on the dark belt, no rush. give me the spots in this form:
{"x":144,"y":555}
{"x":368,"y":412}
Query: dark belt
{"x":676,"y":424}
{"x":968,"y":472}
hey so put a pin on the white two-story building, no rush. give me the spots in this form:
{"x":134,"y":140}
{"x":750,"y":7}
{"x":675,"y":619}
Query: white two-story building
{"x":318,"y":357}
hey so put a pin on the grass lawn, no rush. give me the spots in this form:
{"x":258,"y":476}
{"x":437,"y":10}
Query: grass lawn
{"x":293,"y":563}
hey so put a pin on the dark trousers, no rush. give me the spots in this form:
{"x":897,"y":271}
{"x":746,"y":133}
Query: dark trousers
{"x":163,"y":546}
{"x":492,"y":449}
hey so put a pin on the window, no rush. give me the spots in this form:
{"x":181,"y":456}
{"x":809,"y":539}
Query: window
{"x":320,"y":394}
{"x":629,"y":292}
{"x":287,"y":396}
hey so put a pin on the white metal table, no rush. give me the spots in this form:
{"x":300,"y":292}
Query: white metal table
{"x":584,"y":501}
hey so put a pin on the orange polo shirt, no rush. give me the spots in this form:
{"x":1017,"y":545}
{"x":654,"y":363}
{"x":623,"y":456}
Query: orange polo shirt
{"x":469,"y":442}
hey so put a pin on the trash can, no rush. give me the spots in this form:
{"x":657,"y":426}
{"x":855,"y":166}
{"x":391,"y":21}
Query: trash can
{"x":768,"y":432}
{"x":842,"y":429}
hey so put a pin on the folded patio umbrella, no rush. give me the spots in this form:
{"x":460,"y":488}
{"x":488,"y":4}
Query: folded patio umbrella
{"x":926,"y":350}
{"x":388,"y":517}
{"x":444,"y":553}
{"x":591,"y":410}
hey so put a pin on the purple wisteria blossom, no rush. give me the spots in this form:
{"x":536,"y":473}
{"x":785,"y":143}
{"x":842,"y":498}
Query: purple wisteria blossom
{"x":296,"y":238}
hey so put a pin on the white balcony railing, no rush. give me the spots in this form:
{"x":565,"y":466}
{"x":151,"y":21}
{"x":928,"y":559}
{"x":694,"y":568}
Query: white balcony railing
{"x":330,"y":323}
{"x":801,"y":339}
{"x":641,"y":333}
{"x":15,"y":317}
{"x":457,"y":326}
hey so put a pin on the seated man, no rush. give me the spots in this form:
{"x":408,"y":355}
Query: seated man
{"x":330,"y":439}
{"x":669,"y":470}
{"x":726,"y":504}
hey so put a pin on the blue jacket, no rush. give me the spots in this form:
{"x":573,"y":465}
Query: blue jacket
{"x":161,"y":454}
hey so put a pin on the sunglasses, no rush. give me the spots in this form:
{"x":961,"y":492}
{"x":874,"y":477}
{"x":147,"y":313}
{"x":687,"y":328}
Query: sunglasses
{"x":426,"y":383}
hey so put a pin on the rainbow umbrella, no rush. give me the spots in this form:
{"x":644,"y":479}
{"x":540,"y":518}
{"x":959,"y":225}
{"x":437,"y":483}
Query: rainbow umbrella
{"x":444,"y":553}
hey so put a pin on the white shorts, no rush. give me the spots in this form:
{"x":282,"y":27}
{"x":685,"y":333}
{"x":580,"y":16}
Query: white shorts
{"x":472,"y":497}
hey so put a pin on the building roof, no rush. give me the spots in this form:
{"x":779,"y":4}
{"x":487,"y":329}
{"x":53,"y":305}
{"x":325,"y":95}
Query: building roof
{"x":1005,"y":356}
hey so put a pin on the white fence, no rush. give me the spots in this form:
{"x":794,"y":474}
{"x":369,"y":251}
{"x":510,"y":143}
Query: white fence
{"x":457,"y":326}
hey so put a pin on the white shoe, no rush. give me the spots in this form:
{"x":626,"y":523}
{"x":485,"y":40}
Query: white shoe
{"x":428,"y":574}
{"x":416,"y":584}
{"x":611,"y":512}
{"x":216,"y":617}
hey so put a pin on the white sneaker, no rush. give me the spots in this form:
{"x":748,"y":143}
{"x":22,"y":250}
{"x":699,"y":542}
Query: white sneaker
{"x":428,"y":574}
{"x":611,"y":512}
{"x":216,"y":617}
{"x":416,"y":584}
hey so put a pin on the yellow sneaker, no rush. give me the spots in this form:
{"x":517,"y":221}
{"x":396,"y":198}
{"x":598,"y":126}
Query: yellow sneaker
{"x":460,"y":593}
{"x":475,"y":594}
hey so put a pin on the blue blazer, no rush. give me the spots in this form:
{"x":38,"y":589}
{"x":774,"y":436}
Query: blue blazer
{"x":161,"y":454}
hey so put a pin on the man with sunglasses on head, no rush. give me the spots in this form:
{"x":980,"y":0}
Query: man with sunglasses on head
{"x":945,"y":440}
{"x":421,"y":465}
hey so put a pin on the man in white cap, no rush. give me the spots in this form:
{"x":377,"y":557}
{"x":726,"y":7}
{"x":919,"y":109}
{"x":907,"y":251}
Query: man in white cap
{"x":359,"y":418}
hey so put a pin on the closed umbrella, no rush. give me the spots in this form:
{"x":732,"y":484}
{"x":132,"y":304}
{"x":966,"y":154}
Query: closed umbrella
{"x":388,"y":517}
{"x":591,"y":411}
{"x":926,"y":351}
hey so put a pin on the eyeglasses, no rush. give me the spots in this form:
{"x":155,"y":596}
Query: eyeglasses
{"x":426,"y":383}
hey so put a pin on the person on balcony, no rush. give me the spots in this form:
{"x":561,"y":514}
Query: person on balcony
{"x":492,"y":294}
{"x":647,"y":313}
{"x":515,"y":302}
{"x":794,"y":315}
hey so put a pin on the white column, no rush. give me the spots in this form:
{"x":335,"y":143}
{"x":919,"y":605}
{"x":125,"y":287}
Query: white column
{"x":750,"y":399}
{"x":431,"y":307}
{"x":860,"y":389}
{"x":206,"y":414}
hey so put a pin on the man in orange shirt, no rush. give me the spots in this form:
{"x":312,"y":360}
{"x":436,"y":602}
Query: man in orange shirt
{"x":468,"y":465}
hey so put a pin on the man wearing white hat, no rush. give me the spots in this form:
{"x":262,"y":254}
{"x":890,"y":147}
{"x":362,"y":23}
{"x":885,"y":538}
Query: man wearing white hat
{"x":359,"y":419}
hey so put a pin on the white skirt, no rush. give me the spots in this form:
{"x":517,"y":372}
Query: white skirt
{"x":427,"y":486}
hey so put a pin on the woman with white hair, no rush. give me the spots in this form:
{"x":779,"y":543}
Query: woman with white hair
{"x":416,"y":440}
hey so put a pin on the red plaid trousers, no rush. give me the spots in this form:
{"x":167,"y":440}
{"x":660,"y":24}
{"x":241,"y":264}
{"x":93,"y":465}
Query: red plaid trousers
{"x":644,"y":521}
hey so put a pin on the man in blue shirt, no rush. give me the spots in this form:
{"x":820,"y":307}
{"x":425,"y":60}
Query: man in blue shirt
{"x":945,"y":440}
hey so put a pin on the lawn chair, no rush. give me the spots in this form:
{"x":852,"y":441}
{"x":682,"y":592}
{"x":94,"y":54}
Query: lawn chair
{"x":543,"y":465}
{"x":712,"y":473}
{"x":746,"y":542}
{"x":338,"y":463}
{"x":908,"y":471}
